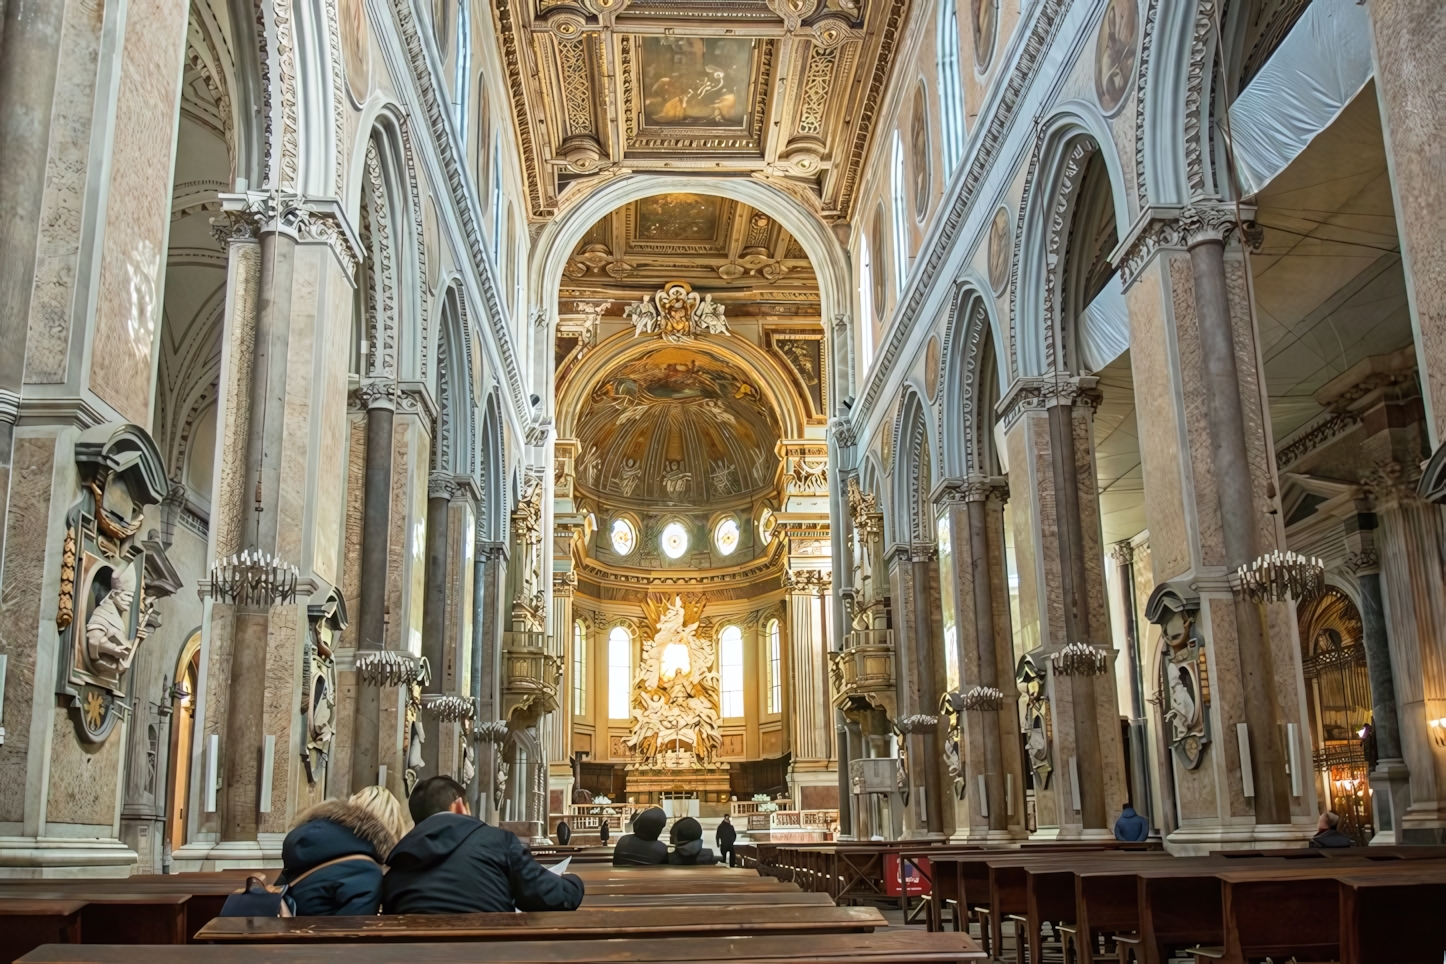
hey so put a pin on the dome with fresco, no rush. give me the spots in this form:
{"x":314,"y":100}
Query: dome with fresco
{"x":678,"y":426}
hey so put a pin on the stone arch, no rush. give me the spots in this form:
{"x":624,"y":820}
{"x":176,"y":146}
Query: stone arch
{"x":830,"y":261}
{"x":966,"y":418}
{"x":492,"y":513}
{"x":913,"y":475}
{"x":454,"y":448}
{"x":1038,"y":340}
{"x":389,"y":223}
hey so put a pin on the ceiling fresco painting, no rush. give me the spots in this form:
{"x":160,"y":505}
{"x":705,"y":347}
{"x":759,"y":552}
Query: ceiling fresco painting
{"x":697,"y":81}
{"x":677,"y":217}
{"x":784,"y":90}
{"x":678,"y":426}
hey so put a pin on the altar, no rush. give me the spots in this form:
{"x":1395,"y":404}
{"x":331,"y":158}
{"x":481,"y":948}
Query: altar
{"x":675,"y":714}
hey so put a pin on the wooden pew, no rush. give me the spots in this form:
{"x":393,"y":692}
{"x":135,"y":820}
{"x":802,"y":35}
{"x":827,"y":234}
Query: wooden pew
{"x":585,"y":923}
{"x":45,"y":917}
{"x":1392,"y":918}
{"x":26,"y":924}
{"x":768,"y":898}
{"x":884,"y":947}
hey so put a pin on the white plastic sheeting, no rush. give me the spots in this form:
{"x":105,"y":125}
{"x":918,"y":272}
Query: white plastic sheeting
{"x":1318,"y":69}
{"x":1104,"y":328}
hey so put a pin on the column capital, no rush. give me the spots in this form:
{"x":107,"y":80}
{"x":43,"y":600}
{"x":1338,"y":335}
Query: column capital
{"x":1392,"y":483}
{"x":975,"y":488}
{"x":247,"y":215}
{"x":1075,"y":390}
{"x":1200,"y":221}
{"x":807,"y":581}
{"x":376,"y":393}
{"x":1123,"y":553}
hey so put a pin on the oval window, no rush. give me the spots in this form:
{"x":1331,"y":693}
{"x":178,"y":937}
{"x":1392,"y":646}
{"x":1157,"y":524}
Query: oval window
{"x":725,"y":536}
{"x":623,"y":537}
{"x":767,"y":523}
{"x":675,"y":540}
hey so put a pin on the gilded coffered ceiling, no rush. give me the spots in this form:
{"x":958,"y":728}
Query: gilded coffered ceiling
{"x":785,"y":90}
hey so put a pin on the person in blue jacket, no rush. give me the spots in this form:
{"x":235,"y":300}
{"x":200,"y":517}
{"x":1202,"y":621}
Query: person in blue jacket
{"x":334,"y":852}
{"x":1131,"y":826}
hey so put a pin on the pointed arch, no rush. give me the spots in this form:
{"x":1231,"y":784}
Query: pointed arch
{"x":913,"y":475}
{"x":970,"y":381}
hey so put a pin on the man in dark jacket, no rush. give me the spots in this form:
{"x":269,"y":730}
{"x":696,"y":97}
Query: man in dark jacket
{"x":1131,"y":826}
{"x":1328,"y":833}
{"x":453,"y":863}
{"x":690,"y":850}
{"x":642,"y":846}
{"x":333,"y":860}
{"x":726,"y":837}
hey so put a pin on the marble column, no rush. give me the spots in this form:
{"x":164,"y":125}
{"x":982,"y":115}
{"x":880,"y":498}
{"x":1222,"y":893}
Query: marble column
{"x":559,"y":756}
{"x":379,"y":397}
{"x":808,"y":695}
{"x":440,"y":490}
{"x":1210,"y":508}
{"x":489,"y":578}
{"x":919,"y":692}
{"x":1408,"y":37}
{"x":1056,"y":534}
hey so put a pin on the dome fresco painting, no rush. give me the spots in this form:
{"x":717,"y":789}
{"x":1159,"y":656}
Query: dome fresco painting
{"x":677,"y":426}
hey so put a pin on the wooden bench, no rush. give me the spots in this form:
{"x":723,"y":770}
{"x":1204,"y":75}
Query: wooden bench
{"x":582,"y":924}
{"x":885,"y":947}
{"x":767,"y":898}
{"x":28,"y":922}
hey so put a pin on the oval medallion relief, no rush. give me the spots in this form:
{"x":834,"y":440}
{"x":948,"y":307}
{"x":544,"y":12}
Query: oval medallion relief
{"x":1000,"y":251}
{"x":1115,"y":53}
{"x":931,"y":368}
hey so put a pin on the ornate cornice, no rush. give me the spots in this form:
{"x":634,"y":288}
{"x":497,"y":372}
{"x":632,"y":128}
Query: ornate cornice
{"x":807,"y":581}
{"x":1195,"y":223}
{"x":246,"y":216}
{"x":377,"y":393}
{"x":975,"y":488}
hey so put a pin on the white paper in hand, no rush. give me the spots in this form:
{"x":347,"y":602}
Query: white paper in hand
{"x":561,"y":868}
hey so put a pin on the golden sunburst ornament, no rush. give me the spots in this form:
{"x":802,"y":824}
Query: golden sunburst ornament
{"x":94,"y":709}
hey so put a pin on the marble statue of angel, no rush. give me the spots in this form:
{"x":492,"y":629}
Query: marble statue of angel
{"x":708,"y":317}
{"x":643,"y":315}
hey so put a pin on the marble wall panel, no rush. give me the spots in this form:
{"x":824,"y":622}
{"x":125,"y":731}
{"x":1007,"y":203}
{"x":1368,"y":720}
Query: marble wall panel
{"x":1096,"y":594}
{"x":26,"y":537}
{"x":399,"y":532}
{"x":138,"y":206}
{"x":339,"y":770}
{"x":286,"y":633}
{"x":332,"y":466}
{"x":1259,"y":446}
{"x":295,"y":492}
{"x":1051,"y":602}
{"x":1159,"y":426}
{"x":84,"y":777}
{"x":1196,"y":415}
{"x":62,"y":206}
{"x":1410,"y":85}
{"x":217,"y":648}
{"x":1026,"y":555}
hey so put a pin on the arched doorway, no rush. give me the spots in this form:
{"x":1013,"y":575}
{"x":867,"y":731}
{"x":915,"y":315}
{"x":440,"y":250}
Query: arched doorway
{"x":1338,"y":698}
{"x":183,"y":697}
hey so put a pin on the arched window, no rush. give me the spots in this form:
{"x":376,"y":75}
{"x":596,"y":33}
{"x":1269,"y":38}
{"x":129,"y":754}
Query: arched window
{"x":951,"y":88}
{"x":900,"y":205}
{"x":623,"y":536}
{"x":725,"y":536}
{"x":775,"y":667}
{"x":866,"y":302}
{"x":464,"y":67}
{"x":620,"y":672}
{"x":674,"y":541}
{"x":497,"y":202}
{"x":579,"y":668}
{"x":730,"y":671}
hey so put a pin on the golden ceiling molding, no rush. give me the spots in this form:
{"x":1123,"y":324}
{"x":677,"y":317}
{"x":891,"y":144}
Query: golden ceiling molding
{"x":597,"y":85}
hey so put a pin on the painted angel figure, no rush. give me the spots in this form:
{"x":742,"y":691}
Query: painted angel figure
{"x":708,"y":316}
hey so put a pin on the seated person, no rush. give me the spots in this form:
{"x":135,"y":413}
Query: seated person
{"x":1328,"y":832}
{"x":690,"y":850}
{"x":1131,"y":827}
{"x":333,"y":854}
{"x":453,"y":863}
{"x":642,"y":846}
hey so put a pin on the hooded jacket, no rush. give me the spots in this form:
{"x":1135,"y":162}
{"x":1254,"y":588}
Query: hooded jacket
{"x":1131,"y":826}
{"x":642,"y":846}
{"x":327,"y":832}
{"x":455,"y":864}
{"x":1331,"y":839}
{"x":690,"y":849}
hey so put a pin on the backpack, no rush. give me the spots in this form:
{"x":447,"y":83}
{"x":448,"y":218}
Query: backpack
{"x":260,"y":899}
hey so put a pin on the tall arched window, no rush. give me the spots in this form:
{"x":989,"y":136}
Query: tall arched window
{"x":866,"y":303}
{"x":775,"y":667}
{"x":463,"y":79}
{"x":620,"y":672}
{"x":497,"y":201}
{"x":730,"y":671}
{"x":951,"y":88}
{"x":897,"y":199}
{"x":579,"y":668}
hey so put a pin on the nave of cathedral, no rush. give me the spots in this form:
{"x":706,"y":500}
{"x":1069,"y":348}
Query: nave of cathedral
{"x":916,"y":426}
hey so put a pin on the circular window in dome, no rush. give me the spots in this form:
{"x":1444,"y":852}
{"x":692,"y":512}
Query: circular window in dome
{"x":623,"y":536}
{"x":767,"y":523}
{"x":675,"y":540}
{"x":725,"y":536}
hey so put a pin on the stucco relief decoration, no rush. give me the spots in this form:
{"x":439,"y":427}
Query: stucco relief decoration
{"x":675,"y":694}
{"x":318,"y":687}
{"x":931,"y":368}
{"x":1183,"y":689}
{"x":919,"y":143}
{"x":1116,"y":53}
{"x":356,"y":48}
{"x":677,"y":313}
{"x":107,"y":606}
{"x":1000,"y":251}
{"x":1038,"y":736}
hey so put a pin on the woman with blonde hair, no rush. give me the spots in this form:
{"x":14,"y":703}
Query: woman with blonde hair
{"x":334,"y":853}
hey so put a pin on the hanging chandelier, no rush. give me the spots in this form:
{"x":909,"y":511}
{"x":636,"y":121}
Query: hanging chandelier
{"x":1079,"y":659}
{"x":1278,"y":576}
{"x":253,"y":578}
{"x":450,"y":709}
{"x":986,"y":698}
{"x":387,"y":667}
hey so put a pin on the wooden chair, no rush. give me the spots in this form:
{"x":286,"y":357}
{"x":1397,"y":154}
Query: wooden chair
{"x":1068,"y":943}
{"x":1130,"y":948}
{"x":1206,"y":953}
{"x":981,"y":914}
